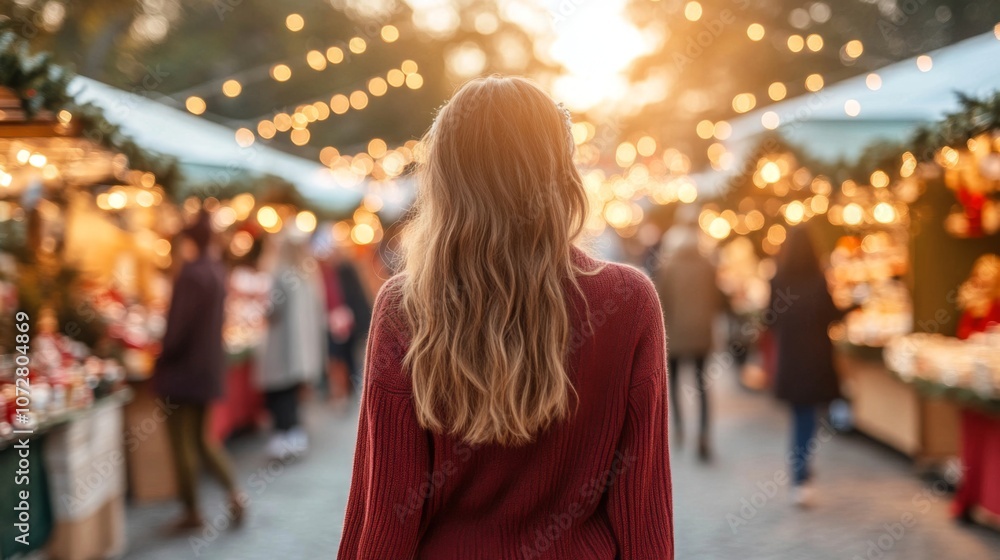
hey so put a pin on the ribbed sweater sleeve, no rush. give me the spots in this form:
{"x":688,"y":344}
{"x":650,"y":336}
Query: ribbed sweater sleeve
{"x":391,"y":460}
{"x":640,"y":506}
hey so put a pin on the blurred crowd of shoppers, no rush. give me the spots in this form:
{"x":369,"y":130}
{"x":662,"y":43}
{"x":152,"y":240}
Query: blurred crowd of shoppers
{"x":319,"y":313}
{"x":349,"y":313}
{"x":317,"y":318}
{"x":799,"y":313}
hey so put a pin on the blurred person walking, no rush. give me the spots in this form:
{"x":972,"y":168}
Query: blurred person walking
{"x":189,"y":372}
{"x":293,"y":351}
{"x":805,"y":377}
{"x":515,"y":398}
{"x":691,"y":301}
{"x":349,"y":314}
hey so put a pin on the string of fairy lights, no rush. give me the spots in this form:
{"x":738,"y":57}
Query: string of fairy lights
{"x":662,"y":177}
{"x":296,"y":123}
{"x":315,"y":59}
{"x":645,"y":170}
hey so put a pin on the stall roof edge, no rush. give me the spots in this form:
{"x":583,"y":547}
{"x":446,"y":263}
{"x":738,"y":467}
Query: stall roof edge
{"x":906,"y":99}
{"x":195,"y":141}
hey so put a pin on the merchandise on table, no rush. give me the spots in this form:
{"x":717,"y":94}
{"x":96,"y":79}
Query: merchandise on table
{"x":64,"y":376}
{"x":136,"y":329}
{"x":865,"y":272}
{"x":979,"y":297}
{"x":973,"y":173}
{"x":246,"y":309}
{"x":972,"y":364}
{"x":886,"y":314}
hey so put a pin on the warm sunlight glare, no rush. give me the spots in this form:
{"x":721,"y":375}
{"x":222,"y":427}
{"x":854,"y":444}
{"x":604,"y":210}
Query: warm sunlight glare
{"x":596,"y":44}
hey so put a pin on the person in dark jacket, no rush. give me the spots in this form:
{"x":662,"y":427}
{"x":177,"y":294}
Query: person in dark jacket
{"x":349,"y":314}
{"x":188,"y":372}
{"x":801,"y":311}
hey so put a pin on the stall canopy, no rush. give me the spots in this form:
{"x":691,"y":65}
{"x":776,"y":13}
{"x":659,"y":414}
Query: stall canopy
{"x":207,"y":152}
{"x":908,"y":95}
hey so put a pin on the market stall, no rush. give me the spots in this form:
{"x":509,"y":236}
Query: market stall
{"x":910,"y":211}
{"x":853,"y":155}
{"x":89,"y":222}
{"x":61,"y":374}
{"x":966,"y":373}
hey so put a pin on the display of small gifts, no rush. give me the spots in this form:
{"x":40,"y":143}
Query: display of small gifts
{"x":972,"y":364}
{"x":63,"y":376}
{"x":973,"y":173}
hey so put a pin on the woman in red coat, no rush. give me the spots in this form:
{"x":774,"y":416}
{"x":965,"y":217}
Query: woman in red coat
{"x":515,"y":390}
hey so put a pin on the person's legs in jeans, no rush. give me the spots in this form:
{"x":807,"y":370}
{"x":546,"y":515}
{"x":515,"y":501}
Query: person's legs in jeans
{"x":187,"y":426}
{"x":803,"y":433}
{"x":699,"y":372}
{"x":675,"y":399}
{"x":183,"y":429}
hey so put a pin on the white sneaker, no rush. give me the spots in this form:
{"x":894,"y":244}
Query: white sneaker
{"x":298,"y":441}
{"x":279,"y":447}
{"x":804,"y":495}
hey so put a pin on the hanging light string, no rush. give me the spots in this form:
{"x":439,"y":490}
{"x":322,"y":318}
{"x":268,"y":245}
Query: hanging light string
{"x":233,"y":85}
{"x":296,"y":122}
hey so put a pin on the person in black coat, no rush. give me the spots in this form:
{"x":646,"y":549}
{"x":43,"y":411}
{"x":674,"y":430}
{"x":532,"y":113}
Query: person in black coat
{"x":801,"y":311}
{"x":189,"y":370}
{"x":349,"y":314}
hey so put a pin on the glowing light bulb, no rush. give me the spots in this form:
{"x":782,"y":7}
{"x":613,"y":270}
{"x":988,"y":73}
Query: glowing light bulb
{"x":693,"y":11}
{"x":770,"y":172}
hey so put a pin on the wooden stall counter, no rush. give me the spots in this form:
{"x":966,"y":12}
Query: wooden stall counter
{"x":77,"y":484}
{"x":895,"y":413}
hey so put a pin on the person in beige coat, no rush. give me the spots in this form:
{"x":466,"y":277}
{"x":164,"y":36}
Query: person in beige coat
{"x":294,"y":350}
{"x":691,"y":300}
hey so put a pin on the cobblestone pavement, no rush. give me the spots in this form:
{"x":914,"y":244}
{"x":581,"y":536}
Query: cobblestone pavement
{"x":870,"y":506}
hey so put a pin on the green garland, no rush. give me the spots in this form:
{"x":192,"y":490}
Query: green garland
{"x":96,"y":128}
{"x":42,"y":85}
{"x":38,"y":83}
{"x":976,"y":117}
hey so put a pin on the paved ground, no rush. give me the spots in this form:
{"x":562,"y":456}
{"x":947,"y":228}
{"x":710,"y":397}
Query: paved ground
{"x":871,"y":505}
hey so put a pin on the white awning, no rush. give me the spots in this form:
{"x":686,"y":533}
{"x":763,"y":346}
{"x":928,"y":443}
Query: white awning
{"x":907,"y":98}
{"x":207,"y":151}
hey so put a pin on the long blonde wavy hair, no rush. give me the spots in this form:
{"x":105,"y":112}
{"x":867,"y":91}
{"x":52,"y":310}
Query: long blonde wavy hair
{"x":487,"y":256}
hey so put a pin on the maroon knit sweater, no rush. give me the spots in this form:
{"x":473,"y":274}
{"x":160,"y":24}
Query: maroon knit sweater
{"x":595,"y":486}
